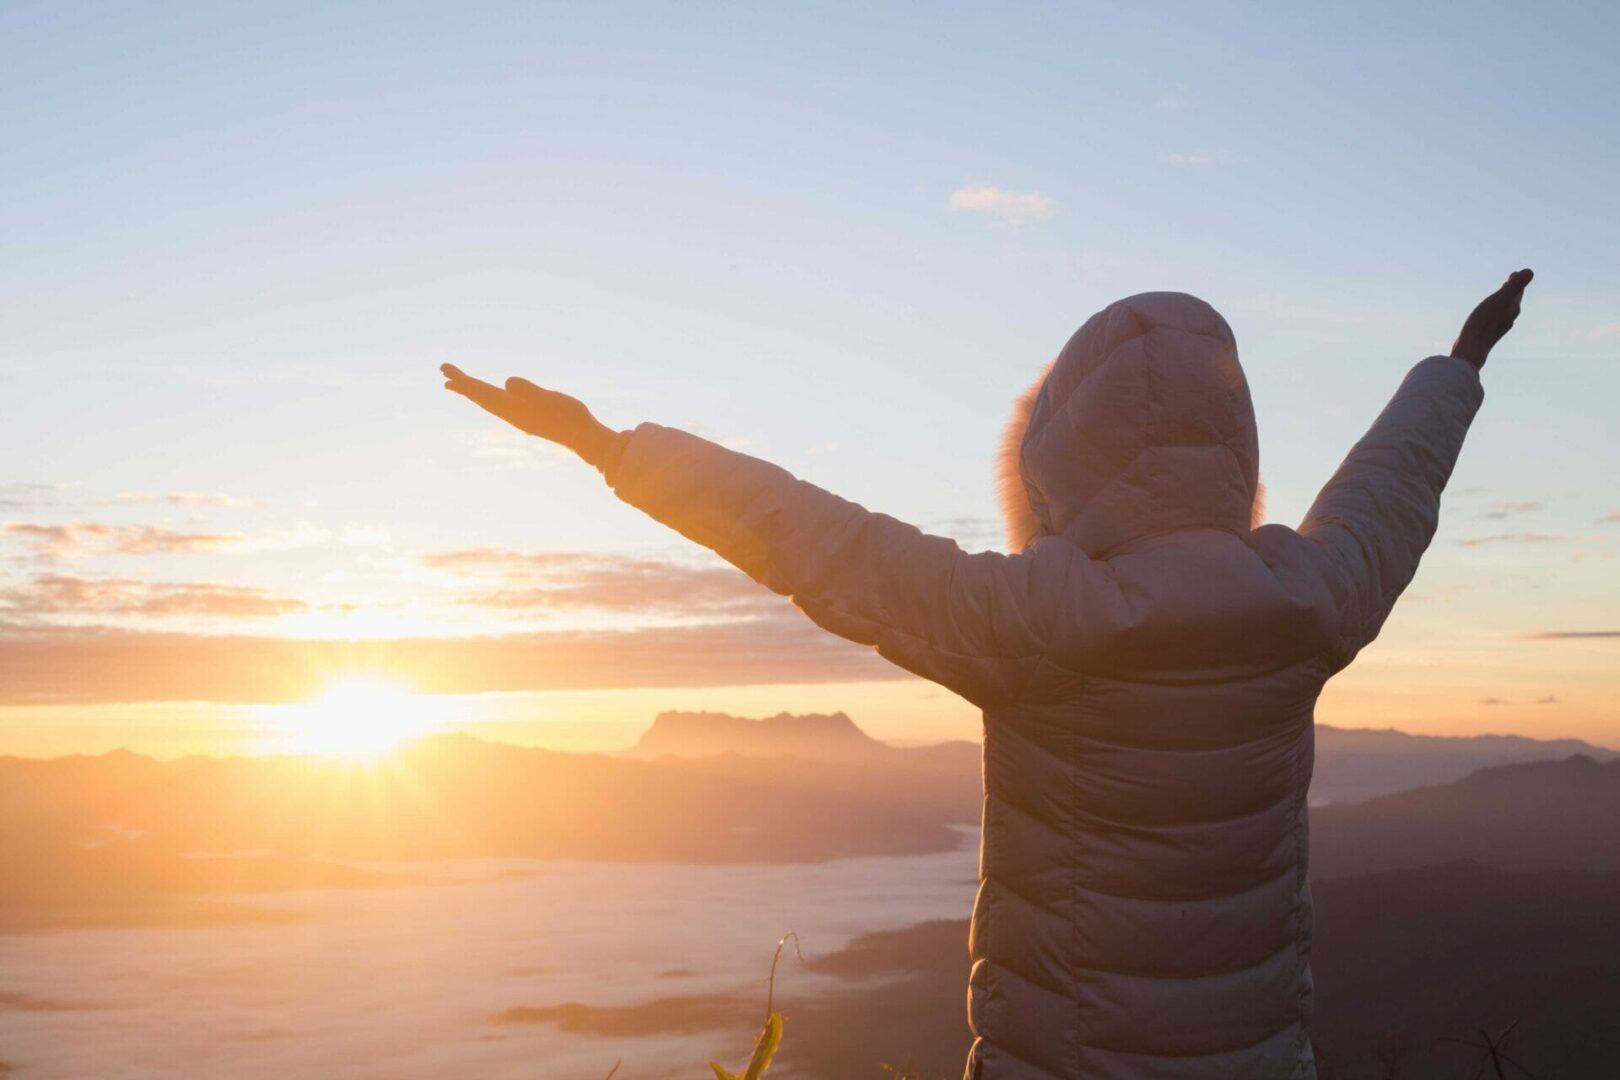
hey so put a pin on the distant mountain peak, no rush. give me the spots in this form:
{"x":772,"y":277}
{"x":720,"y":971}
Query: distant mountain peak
{"x":707,"y":734}
{"x":1353,"y":764}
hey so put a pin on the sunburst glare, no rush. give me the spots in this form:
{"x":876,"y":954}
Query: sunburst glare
{"x":354,"y":718}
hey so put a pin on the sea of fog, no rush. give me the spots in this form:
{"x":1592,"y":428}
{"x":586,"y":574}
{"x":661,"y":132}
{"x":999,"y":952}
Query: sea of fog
{"x":405,"y":982}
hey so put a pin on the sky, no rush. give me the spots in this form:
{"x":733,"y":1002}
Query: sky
{"x":237,"y":240}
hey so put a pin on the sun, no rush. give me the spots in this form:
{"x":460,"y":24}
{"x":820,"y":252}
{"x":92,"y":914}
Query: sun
{"x":355,"y":718}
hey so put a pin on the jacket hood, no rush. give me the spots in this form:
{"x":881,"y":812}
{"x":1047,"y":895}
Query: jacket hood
{"x":1142,"y":425}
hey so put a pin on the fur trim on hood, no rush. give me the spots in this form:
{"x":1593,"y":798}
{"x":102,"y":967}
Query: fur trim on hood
{"x":1018,"y":515}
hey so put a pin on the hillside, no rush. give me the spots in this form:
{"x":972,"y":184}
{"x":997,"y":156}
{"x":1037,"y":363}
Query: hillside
{"x":1520,"y":817}
{"x":1401,"y":961}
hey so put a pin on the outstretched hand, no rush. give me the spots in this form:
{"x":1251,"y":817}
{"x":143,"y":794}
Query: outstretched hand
{"x":534,"y":409}
{"x":1491,"y":320}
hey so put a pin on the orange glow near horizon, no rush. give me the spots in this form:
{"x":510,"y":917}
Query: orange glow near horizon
{"x":355,"y":718}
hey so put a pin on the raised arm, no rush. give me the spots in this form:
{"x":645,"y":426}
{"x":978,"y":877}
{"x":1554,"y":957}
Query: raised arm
{"x":974,"y":623}
{"x":1375,"y":518}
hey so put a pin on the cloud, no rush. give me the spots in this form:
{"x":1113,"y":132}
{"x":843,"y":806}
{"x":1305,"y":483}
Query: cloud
{"x":55,"y":541}
{"x":83,"y":665}
{"x":1443,"y":594}
{"x":25,"y":495}
{"x":179,"y":498}
{"x":1510,"y":507}
{"x":1493,"y":701}
{"x":1550,"y":699}
{"x":1013,"y":206}
{"x":477,"y":560}
{"x":972,"y":532}
{"x":512,"y":449}
{"x":59,"y":541}
{"x":1607,"y":330}
{"x":49,"y":595}
{"x":1173,"y":99}
{"x":1610,"y":519}
{"x":1511,"y":538}
{"x":541,"y":581}
{"x":1201,"y":160}
{"x":148,"y":539}
{"x":1562,"y":635}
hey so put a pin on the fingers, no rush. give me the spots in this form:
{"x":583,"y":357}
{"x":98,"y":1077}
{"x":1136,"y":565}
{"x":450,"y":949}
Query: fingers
{"x":461,"y":382}
{"x":1518,"y":280}
{"x":1515,"y":292}
{"x":491,"y":398}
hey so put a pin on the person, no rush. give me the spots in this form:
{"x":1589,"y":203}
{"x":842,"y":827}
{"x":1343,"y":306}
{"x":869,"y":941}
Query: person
{"x":1147,"y":658}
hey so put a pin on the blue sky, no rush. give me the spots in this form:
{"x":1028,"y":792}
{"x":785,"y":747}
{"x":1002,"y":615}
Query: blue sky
{"x":238,"y":240}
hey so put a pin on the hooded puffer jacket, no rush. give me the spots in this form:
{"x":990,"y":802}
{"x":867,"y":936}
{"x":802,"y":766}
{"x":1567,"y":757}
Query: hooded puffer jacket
{"x":1147,"y":663}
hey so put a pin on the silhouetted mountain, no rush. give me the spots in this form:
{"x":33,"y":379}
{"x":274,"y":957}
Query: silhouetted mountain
{"x":822,"y":737}
{"x":1353,"y":764}
{"x":815,"y":736}
{"x":1522,"y":817}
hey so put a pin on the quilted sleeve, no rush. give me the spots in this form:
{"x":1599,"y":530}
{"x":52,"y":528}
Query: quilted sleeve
{"x":973,"y":622}
{"x":1372,"y":522}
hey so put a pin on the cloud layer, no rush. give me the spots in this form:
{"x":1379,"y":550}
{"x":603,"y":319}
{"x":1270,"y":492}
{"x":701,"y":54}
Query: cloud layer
{"x":1511,"y":538}
{"x":542,"y":581}
{"x":52,"y":595}
{"x":85,"y":665}
{"x":54,"y":542}
{"x":1202,"y":159}
{"x":1556,"y":635}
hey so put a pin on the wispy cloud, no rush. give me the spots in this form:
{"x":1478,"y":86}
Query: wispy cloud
{"x":1607,"y":330}
{"x":150,"y":539}
{"x":513,"y":449}
{"x":26,"y":495}
{"x":1509,"y":508}
{"x":1610,"y":519}
{"x":178,"y":498}
{"x":483,"y":560}
{"x":1174,"y":99}
{"x":1202,"y":159}
{"x":53,"y":542}
{"x":1446,"y":593}
{"x":1512,"y":538}
{"x":1494,"y":701}
{"x":1013,"y":206}
{"x":51,"y":595}
{"x":971,"y":532}
{"x":56,"y":541}
{"x":1559,"y":635}
{"x":1550,"y":699}
{"x":542,"y":581}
